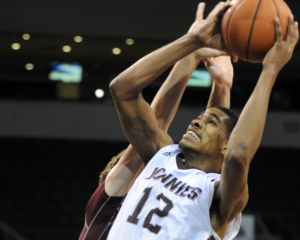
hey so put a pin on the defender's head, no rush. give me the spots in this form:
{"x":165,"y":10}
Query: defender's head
{"x":208,"y":135}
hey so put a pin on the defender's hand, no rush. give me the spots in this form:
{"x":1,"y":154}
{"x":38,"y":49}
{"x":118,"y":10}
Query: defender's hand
{"x":207,"y":53}
{"x":220,"y":69}
{"x":282,"y":50}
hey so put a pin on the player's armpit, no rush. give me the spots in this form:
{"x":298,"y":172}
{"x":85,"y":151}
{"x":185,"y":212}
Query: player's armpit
{"x":239,"y":206}
{"x":222,"y":215}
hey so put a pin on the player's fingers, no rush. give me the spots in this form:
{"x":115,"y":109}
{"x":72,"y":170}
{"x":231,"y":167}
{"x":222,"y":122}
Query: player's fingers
{"x":297,"y":30}
{"x":222,"y":10}
{"x":216,"y":10}
{"x":296,"y":34}
{"x":286,"y":26}
{"x":290,"y":30}
{"x":200,"y":11}
{"x":278,"y":30}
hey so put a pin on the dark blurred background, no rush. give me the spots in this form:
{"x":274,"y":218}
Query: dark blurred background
{"x":57,"y":136}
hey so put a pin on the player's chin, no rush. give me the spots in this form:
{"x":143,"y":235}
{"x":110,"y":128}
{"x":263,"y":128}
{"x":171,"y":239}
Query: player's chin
{"x":186,"y":143}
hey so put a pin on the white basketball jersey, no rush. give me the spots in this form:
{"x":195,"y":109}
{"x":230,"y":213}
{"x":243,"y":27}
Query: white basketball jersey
{"x":168,"y":203}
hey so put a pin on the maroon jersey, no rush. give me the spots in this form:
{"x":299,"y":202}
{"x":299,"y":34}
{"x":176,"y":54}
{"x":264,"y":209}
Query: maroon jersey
{"x":100,"y":212}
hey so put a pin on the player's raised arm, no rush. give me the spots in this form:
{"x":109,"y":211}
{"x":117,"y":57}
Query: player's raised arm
{"x":136,"y":116}
{"x":246,"y":136}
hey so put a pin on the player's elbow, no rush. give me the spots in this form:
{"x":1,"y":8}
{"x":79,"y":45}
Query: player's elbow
{"x":115,"y":87}
{"x":121,"y":90}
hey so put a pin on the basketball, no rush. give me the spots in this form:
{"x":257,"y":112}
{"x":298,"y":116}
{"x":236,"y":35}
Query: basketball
{"x":248,"y":27}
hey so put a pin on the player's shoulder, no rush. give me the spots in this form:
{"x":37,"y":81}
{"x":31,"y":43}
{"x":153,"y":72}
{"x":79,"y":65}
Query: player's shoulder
{"x":166,"y":151}
{"x":169,"y":150}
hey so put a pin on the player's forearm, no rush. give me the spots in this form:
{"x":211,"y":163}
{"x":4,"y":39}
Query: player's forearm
{"x":167,"y":99}
{"x":219,"y":95}
{"x":131,"y":82}
{"x":247,"y":134}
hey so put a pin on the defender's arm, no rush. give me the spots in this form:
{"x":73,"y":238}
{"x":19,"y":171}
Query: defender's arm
{"x":221,"y":70}
{"x":166,"y":101}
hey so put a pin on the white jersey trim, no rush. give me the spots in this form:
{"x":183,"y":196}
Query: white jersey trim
{"x":211,"y":192}
{"x":232,"y":229}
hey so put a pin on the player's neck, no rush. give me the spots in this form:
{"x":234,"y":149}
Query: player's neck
{"x":201,"y":161}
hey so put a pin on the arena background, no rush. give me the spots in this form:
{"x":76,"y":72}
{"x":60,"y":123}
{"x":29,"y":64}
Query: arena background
{"x":57,"y":137}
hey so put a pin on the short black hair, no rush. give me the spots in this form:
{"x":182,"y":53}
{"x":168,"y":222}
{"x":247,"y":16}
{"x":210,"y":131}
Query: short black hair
{"x":231,"y":121}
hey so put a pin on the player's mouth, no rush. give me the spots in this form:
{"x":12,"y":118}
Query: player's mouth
{"x":192,"y":133}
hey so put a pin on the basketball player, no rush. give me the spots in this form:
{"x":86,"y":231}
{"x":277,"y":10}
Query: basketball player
{"x":180,"y":193}
{"x":113,"y":185}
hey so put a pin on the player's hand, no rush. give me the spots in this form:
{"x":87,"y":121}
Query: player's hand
{"x":207,"y":53}
{"x":208,"y":31}
{"x":282,"y":50}
{"x":220,"y":69}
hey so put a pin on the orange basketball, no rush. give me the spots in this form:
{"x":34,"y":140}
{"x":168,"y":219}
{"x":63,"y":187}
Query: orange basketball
{"x":248,"y":27}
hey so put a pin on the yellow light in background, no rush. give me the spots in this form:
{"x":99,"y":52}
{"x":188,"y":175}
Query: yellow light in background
{"x":29,"y":66}
{"x":129,"y":41}
{"x":66,"y":48}
{"x":16,"y":46}
{"x":116,"y":51}
{"x":26,"y":36}
{"x":78,"y":39}
{"x":99,"y":93}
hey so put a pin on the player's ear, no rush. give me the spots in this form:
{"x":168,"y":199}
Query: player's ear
{"x":224,"y":149}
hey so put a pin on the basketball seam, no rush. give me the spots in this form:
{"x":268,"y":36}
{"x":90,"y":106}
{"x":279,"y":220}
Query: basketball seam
{"x":249,"y":40}
{"x":233,"y":11}
{"x":286,"y":26}
{"x":278,"y":16}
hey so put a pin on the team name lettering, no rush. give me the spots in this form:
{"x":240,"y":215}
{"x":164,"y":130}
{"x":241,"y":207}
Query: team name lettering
{"x":174,"y":185}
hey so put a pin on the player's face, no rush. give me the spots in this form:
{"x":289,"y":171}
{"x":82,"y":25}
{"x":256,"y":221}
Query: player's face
{"x":206,"y":134}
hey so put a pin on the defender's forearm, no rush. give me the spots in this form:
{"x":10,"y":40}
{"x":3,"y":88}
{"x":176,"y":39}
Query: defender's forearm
{"x":131,"y":82}
{"x":167,"y":99}
{"x":219,"y":95}
{"x":246,"y":136}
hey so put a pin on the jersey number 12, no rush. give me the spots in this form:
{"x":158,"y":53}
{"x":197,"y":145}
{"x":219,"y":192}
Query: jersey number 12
{"x":161,"y":213}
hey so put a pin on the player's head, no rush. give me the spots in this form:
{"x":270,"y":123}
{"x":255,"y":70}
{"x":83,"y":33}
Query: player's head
{"x":110,"y":166}
{"x":207,"y":136}
{"x":230,"y":122}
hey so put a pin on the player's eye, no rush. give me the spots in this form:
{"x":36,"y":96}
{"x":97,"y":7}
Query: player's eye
{"x":212,"y":122}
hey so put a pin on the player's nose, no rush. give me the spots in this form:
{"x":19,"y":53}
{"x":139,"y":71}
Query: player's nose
{"x":196,"y":123}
